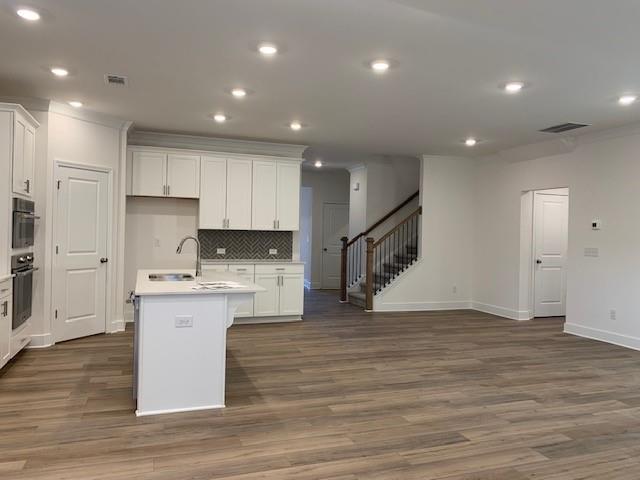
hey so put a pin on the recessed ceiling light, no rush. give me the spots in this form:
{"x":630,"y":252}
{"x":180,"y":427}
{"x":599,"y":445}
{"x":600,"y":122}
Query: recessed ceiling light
{"x":470,"y":142}
{"x":626,"y":100}
{"x":380,"y":66}
{"x":75,"y":103}
{"x":514,"y":87}
{"x":267,"y":49}
{"x":318,"y":163}
{"x":59,"y":71}
{"x":220,"y":117}
{"x":295,"y":126}
{"x":28,"y":14}
{"x":239,"y":92}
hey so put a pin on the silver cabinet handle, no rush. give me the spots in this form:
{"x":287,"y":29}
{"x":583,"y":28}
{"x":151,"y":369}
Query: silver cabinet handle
{"x":274,"y":225}
{"x":5,"y":308}
{"x":28,"y":185}
{"x":168,"y":189}
{"x":281,"y":269}
{"x":278,"y":225}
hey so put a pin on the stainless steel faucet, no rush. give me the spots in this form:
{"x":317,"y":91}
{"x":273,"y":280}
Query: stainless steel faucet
{"x":198,"y":261}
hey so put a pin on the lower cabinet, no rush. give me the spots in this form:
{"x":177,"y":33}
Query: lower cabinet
{"x":5,"y":322}
{"x":246,"y":272}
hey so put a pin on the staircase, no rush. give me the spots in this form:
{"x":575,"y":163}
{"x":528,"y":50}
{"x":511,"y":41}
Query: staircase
{"x":369,"y":266}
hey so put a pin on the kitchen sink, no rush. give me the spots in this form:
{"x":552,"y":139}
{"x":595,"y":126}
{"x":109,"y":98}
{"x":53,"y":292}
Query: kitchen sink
{"x":170,"y":277}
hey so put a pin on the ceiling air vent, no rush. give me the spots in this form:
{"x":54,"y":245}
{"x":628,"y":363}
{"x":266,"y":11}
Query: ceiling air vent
{"x":115,"y":80}
{"x":564,"y":127}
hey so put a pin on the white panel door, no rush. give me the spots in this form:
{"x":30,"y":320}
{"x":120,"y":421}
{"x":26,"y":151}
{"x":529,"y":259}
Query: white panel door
{"x":264,"y":190}
{"x":183,"y":176}
{"x":19,"y":181}
{"x":291,"y":299}
{"x":149,"y":174}
{"x":266,"y":303}
{"x":213,"y":193}
{"x":239,"y":181}
{"x":335,"y":225}
{"x":288,"y":197}
{"x":80,"y":265}
{"x":550,"y":220}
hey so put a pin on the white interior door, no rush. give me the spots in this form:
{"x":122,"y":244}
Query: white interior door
{"x":335,"y":225}
{"x":80,"y":265}
{"x":550,"y":230}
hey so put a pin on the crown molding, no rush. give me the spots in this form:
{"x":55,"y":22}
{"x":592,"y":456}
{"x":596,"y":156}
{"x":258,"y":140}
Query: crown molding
{"x":19,"y":108}
{"x":215,"y":144}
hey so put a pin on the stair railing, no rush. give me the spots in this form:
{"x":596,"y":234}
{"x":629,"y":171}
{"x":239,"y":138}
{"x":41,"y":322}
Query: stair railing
{"x":399,"y":246}
{"x":354,"y":252}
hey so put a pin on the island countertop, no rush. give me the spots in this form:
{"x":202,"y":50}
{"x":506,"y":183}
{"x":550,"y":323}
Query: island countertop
{"x":144,"y":286}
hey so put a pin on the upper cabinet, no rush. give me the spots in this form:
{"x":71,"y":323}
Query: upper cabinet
{"x":24,"y":145}
{"x":236,"y":192}
{"x":159,"y":174}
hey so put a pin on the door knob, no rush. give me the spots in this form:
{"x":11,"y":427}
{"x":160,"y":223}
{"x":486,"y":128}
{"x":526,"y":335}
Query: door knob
{"x":324,"y":249}
{"x":538,"y":261}
{"x":104,"y":260}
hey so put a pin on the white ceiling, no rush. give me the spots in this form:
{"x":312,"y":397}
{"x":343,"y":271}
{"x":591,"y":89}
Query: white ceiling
{"x":450,"y":58}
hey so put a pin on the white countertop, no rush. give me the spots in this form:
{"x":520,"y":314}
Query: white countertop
{"x":6,"y":277}
{"x":144,"y":286}
{"x":231,"y":261}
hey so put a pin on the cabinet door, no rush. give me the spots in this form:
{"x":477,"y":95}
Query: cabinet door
{"x":288,"y":198}
{"x":266,"y":303}
{"x":148,"y":174}
{"x":5,"y":329}
{"x":239,"y":180}
{"x":291,"y":300}
{"x":246,"y":309}
{"x":29,"y":158}
{"x":213,"y":193}
{"x":183,"y":176}
{"x":19,"y":130}
{"x":264,"y":196}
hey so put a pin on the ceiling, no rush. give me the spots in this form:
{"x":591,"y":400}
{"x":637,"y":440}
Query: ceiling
{"x":449,"y":57}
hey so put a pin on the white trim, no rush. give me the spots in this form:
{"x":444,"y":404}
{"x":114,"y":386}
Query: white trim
{"x":15,"y":107}
{"x":602,"y":335}
{"x":259,"y":320}
{"x":117,"y":326}
{"x":501,"y":311}
{"x":355,"y":168}
{"x":177,"y":410}
{"x":420,"y":306}
{"x":42,"y":340}
{"x":215,"y":144}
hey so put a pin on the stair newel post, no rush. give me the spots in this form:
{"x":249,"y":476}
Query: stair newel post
{"x":369,"y":276}
{"x":343,"y":270}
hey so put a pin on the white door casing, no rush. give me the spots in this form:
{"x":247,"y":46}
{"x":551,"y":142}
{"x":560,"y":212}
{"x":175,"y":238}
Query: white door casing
{"x":335,"y":225}
{"x":550,"y":232}
{"x":81,"y":238}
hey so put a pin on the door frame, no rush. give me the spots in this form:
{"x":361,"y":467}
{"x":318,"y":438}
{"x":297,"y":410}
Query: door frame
{"x":345,"y":204}
{"x":526,"y":284}
{"x":110,"y":287}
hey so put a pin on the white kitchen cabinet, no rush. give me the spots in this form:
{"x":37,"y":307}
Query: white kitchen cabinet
{"x":246,"y":272}
{"x":225,"y":193}
{"x":288,"y":196}
{"x":5,"y":321}
{"x":266,"y":304}
{"x":160,"y":174}
{"x":24,"y":143}
{"x":291,"y":301}
{"x":264,"y":207}
{"x":183,"y":176}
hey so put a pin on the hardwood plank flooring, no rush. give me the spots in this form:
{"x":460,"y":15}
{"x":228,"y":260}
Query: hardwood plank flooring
{"x":344,"y":395}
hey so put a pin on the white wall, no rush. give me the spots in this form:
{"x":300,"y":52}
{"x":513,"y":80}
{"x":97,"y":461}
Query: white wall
{"x":328,"y":186}
{"x":447,"y":233}
{"x":357,"y":200}
{"x":602,"y":175}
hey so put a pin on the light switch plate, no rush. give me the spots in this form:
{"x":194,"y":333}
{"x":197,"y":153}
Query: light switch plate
{"x":184,"y":321}
{"x":273,"y":251}
{"x":221,"y":251}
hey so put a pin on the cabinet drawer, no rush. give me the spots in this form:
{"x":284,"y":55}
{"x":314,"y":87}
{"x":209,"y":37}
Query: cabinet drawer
{"x":214,"y":269}
{"x":6,"y":287}
{"x":279,"y":268}
{"x":247,"y":270}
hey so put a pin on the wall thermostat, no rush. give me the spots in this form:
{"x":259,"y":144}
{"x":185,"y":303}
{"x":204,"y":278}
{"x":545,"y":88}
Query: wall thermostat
{"x":596,"y":224}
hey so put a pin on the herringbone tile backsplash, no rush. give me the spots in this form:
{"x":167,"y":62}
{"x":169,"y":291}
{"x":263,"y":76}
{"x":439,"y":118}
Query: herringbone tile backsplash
{"x":245,"y":244}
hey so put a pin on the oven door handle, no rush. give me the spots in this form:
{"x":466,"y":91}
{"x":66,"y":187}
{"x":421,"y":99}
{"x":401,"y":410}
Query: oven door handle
{"x":28,"y":215}
{"x":26,"y":272}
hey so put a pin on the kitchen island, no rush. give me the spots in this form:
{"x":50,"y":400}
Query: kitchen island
{"x":181,"y":335}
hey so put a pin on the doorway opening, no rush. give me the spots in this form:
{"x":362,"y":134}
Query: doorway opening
{"x":544,"y":240}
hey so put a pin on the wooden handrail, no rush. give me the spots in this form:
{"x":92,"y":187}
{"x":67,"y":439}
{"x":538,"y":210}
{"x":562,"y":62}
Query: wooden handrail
{"x":418,"y":211}
{"x":383,"y":219}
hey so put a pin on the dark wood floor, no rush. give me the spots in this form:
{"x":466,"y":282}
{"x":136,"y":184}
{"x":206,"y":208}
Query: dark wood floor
{"x":344,"y":395}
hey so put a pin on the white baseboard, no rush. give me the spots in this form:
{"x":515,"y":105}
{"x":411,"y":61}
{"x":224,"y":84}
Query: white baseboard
{"x":603,"y":335}
{"x":420,"y":306}
{"x":177,"y":410}
{"x":117,"y":326}
{"x":501,"y":311}
{"x":42,"y":340}
{"x":258,"y":320}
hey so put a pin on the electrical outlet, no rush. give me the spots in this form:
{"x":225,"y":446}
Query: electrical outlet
{"x":156,"y":242}
{"x":184,"y":321}
{"x":221,"y":251}
{"x":612,"y":314}
{"x":273,"y":251}
{"x":455,"y":289}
